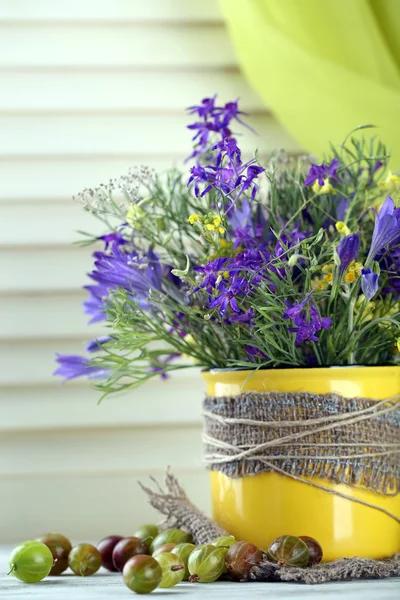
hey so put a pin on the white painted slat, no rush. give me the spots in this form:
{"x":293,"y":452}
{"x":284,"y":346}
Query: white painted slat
{"x":46,"y":224}
{"x":109,"y":10}
{"x":44,"y":269}
{"x":88,"y":506}
{"x":27,"y":363}
{"x":174,"y":401}
{"x":94,"y":451}
{"x":51,"y":316}
{"x":121,"y":135}
{"x":35,"y":179}
{"x":112,"y":46}
{"x":115,"y":91}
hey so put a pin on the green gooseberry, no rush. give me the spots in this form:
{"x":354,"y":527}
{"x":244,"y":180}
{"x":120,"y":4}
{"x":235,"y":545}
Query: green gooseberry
{"x":225,"y":542}
{"x":206,"y":564}
{"x":84,"y":560}
{"x":60,"y":547}
{"x":142,"y":574}
{"x":183,"y":551}
{"x":31,"y":561}
{"x":172,"y":567}
{"x":164,"y":548}
{"x":176,"y":536}
{"x":147,"y":532}
{"x":289,"y":551}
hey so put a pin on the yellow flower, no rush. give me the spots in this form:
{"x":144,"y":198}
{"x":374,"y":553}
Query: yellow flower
{"x":134,"y":215}
{"x":342,"y":228}
{"x":225,"y":249}
{"x":212,"y":227}
{"x":353,"y":271}
{"x":392,"y":183}
{"x":194,"y":218}
{"x":328,"y":277}
{"x":318,"y":283}
{"x":355,"y":267}
{"x":350,"y":277}
{"x":323,"y":189}
{"x":217,"y":220}
{"x":327,"y":268}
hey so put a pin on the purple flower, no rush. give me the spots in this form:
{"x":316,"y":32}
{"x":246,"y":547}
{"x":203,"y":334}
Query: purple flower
{"x":239,"y":217}
{"x":205,"y":109}
{"x":387,"y":228}
{"x":111,"y":238}
{"x":342,"y":205}
{"x":230,"y":112}
{"x":228,"y":147}
{"x":214,"y":120}
{"x":253,"y":171}
{"x":369,"y":283}
{"x":307,"y":320}
{"x":95,"y":345}
{"x":321,"y":172}
{"x":347,"y":251}
{"x":226,"y":179}
{"x":244,"y":317}
{"x":123,"y":268}
{"x":159,"y":365}
{"x":294,"y":310}
{"x":199,"y":175}
{"x":211,"y":271}
{"x":253,"y":353}
{"x":71,"y":366}
{"x":389,"y":262}
{"x":95,"y":306}
{"x":201,"y":137}
{"x":227,"y":296}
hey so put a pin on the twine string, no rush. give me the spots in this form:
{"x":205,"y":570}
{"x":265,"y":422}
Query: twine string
{"x":302,"y":423}
{"x":339,"y":421}
{"x":224,"y":452}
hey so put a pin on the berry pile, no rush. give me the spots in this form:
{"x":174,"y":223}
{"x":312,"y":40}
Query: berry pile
{"x":150,"y":559}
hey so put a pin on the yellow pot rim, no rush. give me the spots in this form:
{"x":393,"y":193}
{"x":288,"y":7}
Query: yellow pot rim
{"x":320,"y":370}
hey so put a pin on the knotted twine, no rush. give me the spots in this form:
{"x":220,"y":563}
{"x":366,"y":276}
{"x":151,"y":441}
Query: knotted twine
{"x":300,"y":435}
{"x":181,"y":512}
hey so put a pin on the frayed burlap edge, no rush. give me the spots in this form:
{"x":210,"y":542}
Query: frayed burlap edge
{"x":180,"y":512}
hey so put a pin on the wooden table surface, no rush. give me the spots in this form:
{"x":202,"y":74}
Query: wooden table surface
{"x":109,"y":586}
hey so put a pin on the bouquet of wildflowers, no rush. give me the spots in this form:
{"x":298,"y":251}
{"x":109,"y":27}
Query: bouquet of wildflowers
{"x":244,"y":265}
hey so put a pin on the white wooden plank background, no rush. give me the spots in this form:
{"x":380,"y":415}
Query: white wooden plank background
{"x":120,"y":11}
{"x":89,"y":88}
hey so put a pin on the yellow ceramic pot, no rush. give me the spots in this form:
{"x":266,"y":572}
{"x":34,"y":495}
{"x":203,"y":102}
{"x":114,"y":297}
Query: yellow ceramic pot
{"x":259,"y":508}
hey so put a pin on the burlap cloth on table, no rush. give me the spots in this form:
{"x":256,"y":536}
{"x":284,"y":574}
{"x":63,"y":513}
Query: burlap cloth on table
{"x":299,"y":435}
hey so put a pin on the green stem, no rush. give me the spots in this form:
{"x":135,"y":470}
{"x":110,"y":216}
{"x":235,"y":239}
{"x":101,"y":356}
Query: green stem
{"x":13,"y":568}
{"x":350,"y":327}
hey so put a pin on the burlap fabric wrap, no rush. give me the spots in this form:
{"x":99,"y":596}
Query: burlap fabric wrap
{"x":353,"y":441}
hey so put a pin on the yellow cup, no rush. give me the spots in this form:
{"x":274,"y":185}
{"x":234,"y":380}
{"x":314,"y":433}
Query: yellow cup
{"x":259,"y":508}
